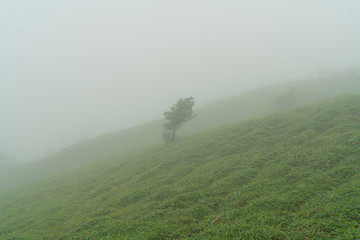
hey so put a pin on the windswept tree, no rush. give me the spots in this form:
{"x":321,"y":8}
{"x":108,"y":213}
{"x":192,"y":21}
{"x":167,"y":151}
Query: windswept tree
{"x":178,"y":114}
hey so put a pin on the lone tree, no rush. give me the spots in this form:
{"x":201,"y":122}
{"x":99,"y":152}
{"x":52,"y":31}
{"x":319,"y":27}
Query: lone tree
{"x":179,"y":113}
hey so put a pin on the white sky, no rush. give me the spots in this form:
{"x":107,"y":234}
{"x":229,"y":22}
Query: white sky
{"x":75,"y":69}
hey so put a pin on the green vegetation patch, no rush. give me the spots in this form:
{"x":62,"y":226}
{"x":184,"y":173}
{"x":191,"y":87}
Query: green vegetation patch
{"x":290,"y":175}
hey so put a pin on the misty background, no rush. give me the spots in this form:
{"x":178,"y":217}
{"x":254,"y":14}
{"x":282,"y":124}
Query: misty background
{"x":73,"y":70}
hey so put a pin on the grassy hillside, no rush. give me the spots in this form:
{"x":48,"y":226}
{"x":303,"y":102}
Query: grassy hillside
{"x":291,"y":175}
{"x":268,"y":100}
{"x":242,"y":107}
{"x":6,"y":162}
{"x":81,"y":154}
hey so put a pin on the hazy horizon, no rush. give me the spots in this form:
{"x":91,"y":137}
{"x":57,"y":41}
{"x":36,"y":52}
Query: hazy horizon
{"x":72,"y":70}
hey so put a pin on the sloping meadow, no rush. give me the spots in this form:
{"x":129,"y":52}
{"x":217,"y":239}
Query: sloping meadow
{"x":290,"y":175}
{"x":244,"y":106}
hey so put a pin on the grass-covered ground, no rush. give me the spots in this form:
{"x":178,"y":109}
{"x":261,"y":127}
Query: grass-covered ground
{"x":290,"y":175}
{"x":255,"y":103}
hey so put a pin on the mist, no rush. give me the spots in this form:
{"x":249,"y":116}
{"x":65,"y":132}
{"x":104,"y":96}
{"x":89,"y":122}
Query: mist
{"x":73,"y":70}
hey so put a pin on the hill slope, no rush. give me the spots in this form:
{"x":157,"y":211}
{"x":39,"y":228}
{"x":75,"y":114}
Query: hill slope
{"x":6,"y":162}
{"x":292,"y":175}
{"x":242,"y":107}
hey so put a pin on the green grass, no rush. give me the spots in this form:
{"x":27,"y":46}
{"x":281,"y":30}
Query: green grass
{"x":231,"y":110}
{"x":290,"y":175}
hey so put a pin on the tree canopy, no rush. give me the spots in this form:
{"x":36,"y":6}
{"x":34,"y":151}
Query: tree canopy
{"x":179,"y":113}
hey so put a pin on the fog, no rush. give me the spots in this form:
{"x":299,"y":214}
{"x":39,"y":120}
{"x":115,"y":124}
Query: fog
{"x":73,"y":70}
